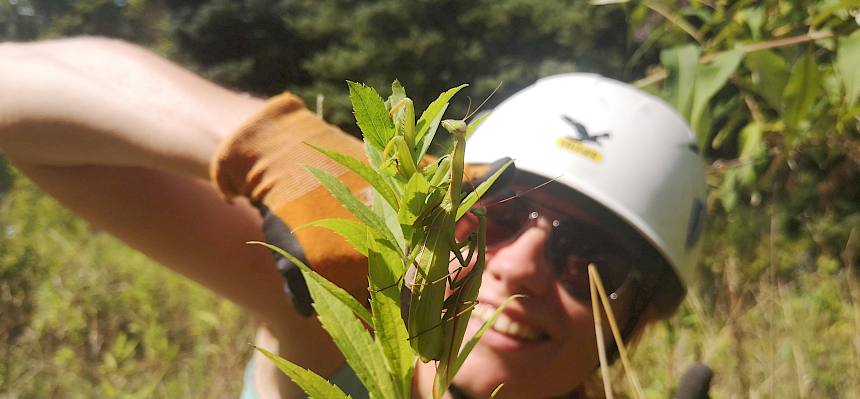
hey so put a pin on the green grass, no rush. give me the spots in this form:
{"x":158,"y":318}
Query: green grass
{"x":83,"y":316}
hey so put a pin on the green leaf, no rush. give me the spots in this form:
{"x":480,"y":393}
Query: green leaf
{"x":389,"y":215}
{"x":352,"y":204}
{"x":727,"y":192}
{"x":353,"y":340}
{"x":386,"y":269}
{"x":461,"y":358}
{"x":352,"y":231}
{"x":769,"y":75}
{"x":755,"y":18}
{"x":482,"y":188}
{"x":801,"y":91}
{"x":442,"y":171}
{"x":414,"y":200}
{"x":429,"y":120}
{"x":681,"y":64}
{"x":710,"y":79}
{"x":335,"y":291}
{"x":405,"y":163}
{"x":848,"y":65}
{"x":374,"y":156}
{"x":312,"y":383}
{"x":370,"y":114}
{"x":750,"y":148}
{"x":360,"y":168}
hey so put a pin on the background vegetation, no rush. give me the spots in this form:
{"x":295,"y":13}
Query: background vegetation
{"x":771,"y":87}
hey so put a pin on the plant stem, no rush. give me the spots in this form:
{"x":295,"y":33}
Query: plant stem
{"x":659,"y":73}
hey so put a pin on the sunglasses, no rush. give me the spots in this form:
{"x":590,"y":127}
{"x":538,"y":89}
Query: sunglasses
{"x":571,"y":246}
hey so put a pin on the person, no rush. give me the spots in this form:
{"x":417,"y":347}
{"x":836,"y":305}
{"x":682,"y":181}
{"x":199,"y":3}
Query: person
{"x":606,"y":175}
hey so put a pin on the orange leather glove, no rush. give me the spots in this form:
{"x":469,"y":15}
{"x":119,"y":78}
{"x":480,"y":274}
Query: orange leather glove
{"x":263,"y":161}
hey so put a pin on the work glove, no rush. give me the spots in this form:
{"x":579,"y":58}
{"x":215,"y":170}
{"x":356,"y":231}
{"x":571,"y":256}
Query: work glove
{"x":264,"y":162}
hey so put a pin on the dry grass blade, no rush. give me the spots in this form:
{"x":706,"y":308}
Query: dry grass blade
{"x":598,"y":332}
{"x":597,"y":284}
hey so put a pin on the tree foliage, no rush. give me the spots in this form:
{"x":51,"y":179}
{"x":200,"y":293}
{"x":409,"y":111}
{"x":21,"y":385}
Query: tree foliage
{"x":311,"y":47}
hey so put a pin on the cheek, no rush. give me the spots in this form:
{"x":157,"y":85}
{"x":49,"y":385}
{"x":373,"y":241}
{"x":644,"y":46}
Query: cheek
{"x":579,"y":327}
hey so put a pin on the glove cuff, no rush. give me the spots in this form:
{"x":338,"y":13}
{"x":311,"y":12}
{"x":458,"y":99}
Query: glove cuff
{"x":264,"y":159}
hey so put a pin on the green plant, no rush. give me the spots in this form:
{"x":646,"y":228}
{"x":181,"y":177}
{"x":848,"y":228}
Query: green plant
{"x":770,"y":88}
{"x":408,"y":238}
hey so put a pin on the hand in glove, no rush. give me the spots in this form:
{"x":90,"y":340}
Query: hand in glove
{"x":264,"y":162}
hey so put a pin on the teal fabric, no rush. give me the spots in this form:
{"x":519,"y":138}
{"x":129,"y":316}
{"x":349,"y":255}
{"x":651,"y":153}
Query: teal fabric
{"x":344,"y":378}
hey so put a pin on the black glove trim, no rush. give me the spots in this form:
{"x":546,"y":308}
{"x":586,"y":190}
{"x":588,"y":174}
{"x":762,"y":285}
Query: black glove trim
{"x":279,"y":234}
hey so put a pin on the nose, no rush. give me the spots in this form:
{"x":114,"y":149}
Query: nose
{"x":521,"y":265}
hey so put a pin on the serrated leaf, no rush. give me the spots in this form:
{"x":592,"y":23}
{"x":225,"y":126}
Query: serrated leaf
{"x":352,"y":204}
{"x":353,"y":340}
{"x":414,"y":199}
{"x":352,"y":231}
{"x":710,"y":79}
{"x":482,"y":188}
{"x":386,"y":269}
{"x":681,"y":63}
{"x":848,"y":65}
{"x":801,"y":91}
{"x":360,"y":168}
{"x":335,"y":291}
{"x":312,"y":383}
{"x":370,"y":114}
{"x":427,"y":124}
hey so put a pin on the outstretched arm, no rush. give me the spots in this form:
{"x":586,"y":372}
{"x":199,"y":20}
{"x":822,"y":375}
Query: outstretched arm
{"x":85,"y":100}
{"x":124,"y":138}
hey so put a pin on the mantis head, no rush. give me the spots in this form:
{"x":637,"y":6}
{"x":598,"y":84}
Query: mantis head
{"x":457,"y":127}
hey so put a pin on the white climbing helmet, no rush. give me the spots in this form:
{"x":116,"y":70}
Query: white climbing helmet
{"x":625,"y":149}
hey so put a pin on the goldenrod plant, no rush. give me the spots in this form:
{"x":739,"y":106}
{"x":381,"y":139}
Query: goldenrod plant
{"x":408,"y":237}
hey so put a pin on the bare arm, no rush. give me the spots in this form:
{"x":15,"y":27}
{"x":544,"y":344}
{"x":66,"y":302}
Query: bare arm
{"x":124,"y":138}
{"x":73,"y":101}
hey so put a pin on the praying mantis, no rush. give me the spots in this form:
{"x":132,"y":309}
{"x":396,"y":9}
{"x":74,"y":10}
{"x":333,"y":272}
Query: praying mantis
{"x":441,"y":299}
{"x":437,"y":321}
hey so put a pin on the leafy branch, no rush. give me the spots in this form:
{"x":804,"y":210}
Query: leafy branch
{"x":408,"y":237}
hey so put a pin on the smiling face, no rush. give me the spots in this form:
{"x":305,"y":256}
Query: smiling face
{"x":543,"y":345}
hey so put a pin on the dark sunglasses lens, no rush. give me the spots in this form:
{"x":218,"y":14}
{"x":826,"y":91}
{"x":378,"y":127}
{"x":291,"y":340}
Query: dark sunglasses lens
{"x":573,"y":248}
{"x":505,"y":219}
{"x":467,"y":225}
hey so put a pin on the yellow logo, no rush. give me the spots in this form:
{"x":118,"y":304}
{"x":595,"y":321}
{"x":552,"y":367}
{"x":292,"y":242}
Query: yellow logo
{"x":579,"y":148}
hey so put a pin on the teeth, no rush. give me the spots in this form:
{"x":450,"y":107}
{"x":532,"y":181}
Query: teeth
{"x":504,"y":324}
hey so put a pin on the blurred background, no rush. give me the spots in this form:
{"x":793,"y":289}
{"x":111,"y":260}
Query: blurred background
{"x":771,"y":88}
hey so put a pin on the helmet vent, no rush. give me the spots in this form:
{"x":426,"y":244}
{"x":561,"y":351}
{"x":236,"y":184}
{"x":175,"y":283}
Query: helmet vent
{"x":694,"y":227}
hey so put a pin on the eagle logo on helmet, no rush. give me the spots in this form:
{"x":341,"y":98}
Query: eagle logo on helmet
{"x":582,"y":142}
{"x":582,"y":134}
